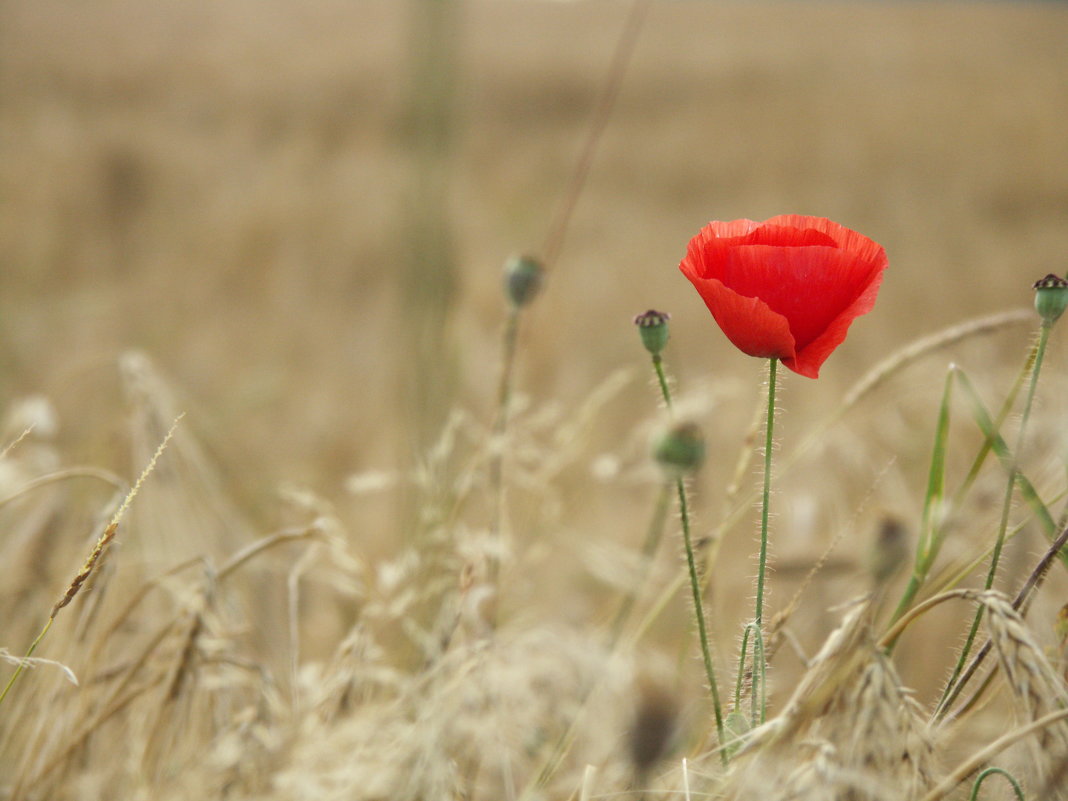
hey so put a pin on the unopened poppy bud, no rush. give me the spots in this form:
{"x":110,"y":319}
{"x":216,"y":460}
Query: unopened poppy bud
{"x":522,"y":279}
{"x":889,"y":551}
{"x":681,"y":450}
{"x":1051,"y":297}
{"x":653,"y":327}
{"x":654,"y":728}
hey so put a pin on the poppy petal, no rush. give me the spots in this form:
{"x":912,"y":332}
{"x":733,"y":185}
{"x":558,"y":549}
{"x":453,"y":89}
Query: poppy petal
{"x":809,"y":286}
{"x":808,"y":360}
{"x":748,"y":323}
{"x":788,"y":287}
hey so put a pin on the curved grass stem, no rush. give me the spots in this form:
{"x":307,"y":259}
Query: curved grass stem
{"x":1016,"y":789}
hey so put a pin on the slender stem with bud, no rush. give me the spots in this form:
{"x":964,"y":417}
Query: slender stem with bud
{"x":681,"y":452}
{"x":952,"y":691}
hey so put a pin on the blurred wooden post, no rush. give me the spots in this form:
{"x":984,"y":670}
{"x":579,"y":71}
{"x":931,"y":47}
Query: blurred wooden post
{"x":428,"y":279}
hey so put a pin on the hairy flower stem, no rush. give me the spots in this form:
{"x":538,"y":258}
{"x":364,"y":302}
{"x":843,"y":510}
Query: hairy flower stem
{"x":951,"y":691}
{"x":699,"y":611}
{"x":769,"y":432}
{"x":695,"y":582}
{"x":659,"y":367}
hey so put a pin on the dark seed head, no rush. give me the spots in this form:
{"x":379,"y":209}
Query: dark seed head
{"x":653,"y":327}
{"x":1051,"y":297}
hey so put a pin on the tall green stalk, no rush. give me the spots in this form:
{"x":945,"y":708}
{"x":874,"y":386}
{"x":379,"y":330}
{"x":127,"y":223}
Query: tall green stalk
{"x":681,"y":452}
{"x":952,"y":691}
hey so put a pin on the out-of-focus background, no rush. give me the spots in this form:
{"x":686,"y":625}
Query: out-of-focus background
{"x":295,"y":214}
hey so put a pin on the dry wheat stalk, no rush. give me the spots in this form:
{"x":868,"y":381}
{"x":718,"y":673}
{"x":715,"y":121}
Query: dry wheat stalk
{"x":1038,"y":688}
{"x":880,"y":735}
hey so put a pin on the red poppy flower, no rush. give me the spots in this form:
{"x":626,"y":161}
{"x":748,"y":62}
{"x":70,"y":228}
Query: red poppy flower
{"x":785,"y":288}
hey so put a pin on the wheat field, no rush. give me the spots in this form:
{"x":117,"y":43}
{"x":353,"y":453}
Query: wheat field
{"x":287,"y":222}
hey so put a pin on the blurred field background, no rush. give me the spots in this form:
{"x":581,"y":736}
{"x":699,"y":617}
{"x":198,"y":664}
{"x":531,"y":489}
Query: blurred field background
{"x":289,"y":220}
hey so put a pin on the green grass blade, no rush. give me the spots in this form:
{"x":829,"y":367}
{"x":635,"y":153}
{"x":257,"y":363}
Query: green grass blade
{"x":930,"y":540}
{"x":1001,"y":450}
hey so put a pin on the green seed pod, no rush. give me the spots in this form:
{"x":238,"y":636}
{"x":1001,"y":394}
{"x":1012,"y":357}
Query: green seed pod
{"x":681,"y":450}
{"x":653,"y":327}
{"x":522,"y":279}
{"x":1051,"y":297}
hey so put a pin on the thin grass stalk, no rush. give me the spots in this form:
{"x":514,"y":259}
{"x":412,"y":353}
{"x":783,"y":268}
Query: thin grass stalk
{"x":500,"y":429}
{"x":94,"y":557}
{"x":617,"y":69}
{"x":25,"y":659}
{"x":898,"y":627}
{"x":1006,"y":507}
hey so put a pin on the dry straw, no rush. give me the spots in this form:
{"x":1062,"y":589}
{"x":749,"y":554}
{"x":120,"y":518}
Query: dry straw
{"x":94,"y":556}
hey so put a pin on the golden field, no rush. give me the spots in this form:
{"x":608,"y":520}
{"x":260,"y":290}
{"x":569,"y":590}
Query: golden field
{"x":288,"y":220}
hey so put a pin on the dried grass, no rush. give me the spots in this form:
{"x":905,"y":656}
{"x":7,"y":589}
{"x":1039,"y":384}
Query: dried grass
{"x":245,"y":637}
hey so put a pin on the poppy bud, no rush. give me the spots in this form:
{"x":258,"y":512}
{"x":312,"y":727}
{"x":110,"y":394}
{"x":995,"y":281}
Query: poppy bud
{"x":1051,"y":297}
{"x":890,"y":550}
{"x":681,"y":450}
{"x":654,"y":728}
{"x":653,"y":327}
{"x":522,"y":279}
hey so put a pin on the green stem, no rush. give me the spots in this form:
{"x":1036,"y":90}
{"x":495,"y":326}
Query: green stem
{"x":22,"y":664}
{"x":759,"y":677}
{"x":695,"y":584}
{"x":758,"y":617}
{"x":500,"y":426}
{"x":762,"y":567}
{"x":659,"y":367}
{"x":1016,"y":789}
{"x":699,"y":611}
{"x":951,"y":692}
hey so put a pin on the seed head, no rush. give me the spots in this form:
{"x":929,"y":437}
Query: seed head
{"x":653,"y":327}
{"x":522,"y":279}
{"x":680,"y":450}
{"x":1051,"y":297}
